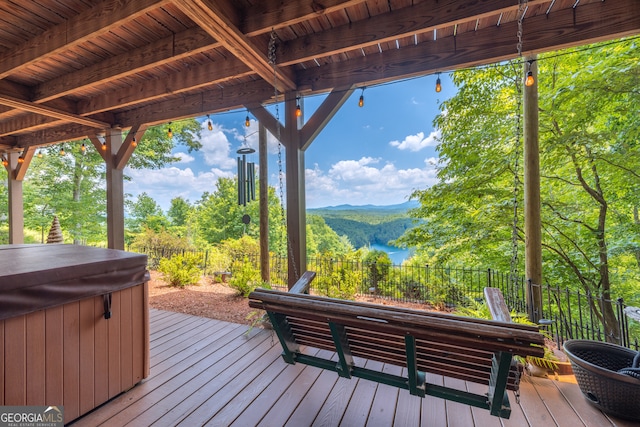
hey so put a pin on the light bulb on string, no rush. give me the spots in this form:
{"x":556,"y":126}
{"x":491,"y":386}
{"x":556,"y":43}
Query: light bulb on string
{"x":209,"y":124}
{"x":83,"y":148}
{"x":529,"y":80}
{"x":298,"y":109}
{"x":134,"y":142}
{"x":62,"y":153}
{"x":169,"y":131}
{"x":438,"y":84}
{"x":104,"y":146}
{"x":361,"y":100}
{"x":21,"y":159}
{"x":5,"y":162}
{"x":247,"y":122}
{"x":39,"y":154}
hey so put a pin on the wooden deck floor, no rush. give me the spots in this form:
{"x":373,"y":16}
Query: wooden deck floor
{"x":209,"y":372}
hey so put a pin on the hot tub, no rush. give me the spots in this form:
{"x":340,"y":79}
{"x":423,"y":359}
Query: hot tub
{"x":74,"y":325}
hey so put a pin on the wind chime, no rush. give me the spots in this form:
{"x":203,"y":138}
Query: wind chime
{"x":246,"y":177}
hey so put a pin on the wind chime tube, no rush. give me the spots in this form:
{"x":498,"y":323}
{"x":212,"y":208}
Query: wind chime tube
{"x":241,"y":196}
{"x":251,"y":181}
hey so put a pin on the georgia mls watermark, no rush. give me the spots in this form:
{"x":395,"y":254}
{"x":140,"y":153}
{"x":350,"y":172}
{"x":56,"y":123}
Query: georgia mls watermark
{"x":31,"y":416}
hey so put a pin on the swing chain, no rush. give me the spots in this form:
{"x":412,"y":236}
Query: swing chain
{"x":272,"y":60}
{"x":522,"y":9}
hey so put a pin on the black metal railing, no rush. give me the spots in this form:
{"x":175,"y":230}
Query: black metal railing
{"x":566,"y":314}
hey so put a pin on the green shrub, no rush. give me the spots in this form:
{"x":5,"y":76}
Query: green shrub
{"x":180,"y":270}
{"x":245,"y":277}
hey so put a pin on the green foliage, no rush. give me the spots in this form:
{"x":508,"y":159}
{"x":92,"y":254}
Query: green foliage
{"x":179,"y":211}
{"x":589,"y":157}
{"x":180,"y":270}
{"x":377,"y":264}
{"x":145,"y":212}
{"x":321,"y":239}
{"x":340,"y":278}
{"x":218,"y":216}
{"x":149,"y":238}
{"x":364,"y":234}
{"x":245,"y":277}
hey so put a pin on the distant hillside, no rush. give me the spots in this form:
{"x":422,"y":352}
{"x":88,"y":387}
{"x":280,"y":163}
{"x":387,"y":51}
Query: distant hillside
{"x":368,"y":224}
{"x":371,"y":214}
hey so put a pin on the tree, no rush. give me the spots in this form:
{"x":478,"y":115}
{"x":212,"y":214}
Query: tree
{"x":589,"y":121}
{"x":219,"y":217}
{"x":179,"y":211}
{"x":67,"y":182}
{"x":72,"y":186}
{"x":321,"y":239}
{"x":145,"y":212}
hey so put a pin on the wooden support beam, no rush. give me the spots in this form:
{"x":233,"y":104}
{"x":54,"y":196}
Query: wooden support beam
{"x":115,"y":192}
{"x":418,"y":19}
{"x":266,"y":119}
{"x":216,"y":20}
{"x":129,"y":146}
{"x":323,"y":115}
{"x":51,"y":112}
{"x":100,"y":145}
{"x":16,"y":201}
{"x":23,"y":165}
{"x":263,"y":171}
{"x":560,"y":29}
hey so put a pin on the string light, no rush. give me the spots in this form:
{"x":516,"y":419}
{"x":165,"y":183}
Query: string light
{"x":247,"y":122}
{"x":5,"y":162}
{"x":83,"y":148}
{"x":39,"y":154}
{"x":134,"y":142}
{"x":529,"y":81}
{"x":62,"y":153}
{"x":298,"y":109}
{"x":104,"y":146}
{"x":209,"y":124}
{"x":21,"y":159}
{"x":170,"y":132}
{"x":361,"y":100}
{"x":438,"y":84}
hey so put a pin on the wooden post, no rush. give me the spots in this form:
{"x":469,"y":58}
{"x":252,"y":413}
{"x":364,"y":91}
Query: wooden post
{"x":296,"y":203}
{"x":264,"y":204}
{"x":115,"y":191}
{"x":532,"y":222}
{"x":16,"y":202}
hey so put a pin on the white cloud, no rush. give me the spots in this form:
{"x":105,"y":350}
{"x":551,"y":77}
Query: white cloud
{"x":417,"y":142}
{"x":216,"y":148}
{"x":184,"y":157}
{"x":365,"y":181}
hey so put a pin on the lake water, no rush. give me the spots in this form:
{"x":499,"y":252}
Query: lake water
{"x":397,"y":255}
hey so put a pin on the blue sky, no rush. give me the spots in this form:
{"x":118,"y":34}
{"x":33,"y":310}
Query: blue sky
{"x":377,"y":154}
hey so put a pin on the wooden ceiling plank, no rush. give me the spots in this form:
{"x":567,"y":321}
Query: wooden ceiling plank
{"x":178,"y":82}
{"x":421,"y":18}
{"x":169,"y":49}
{"x":211,"y":17}
{"x":87,"y":24}
{"x":51,"y":112}
{"x":276,"y":14}
{"x":561,"y":29}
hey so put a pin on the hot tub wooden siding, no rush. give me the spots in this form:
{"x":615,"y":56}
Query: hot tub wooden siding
{"x":70,"y":355}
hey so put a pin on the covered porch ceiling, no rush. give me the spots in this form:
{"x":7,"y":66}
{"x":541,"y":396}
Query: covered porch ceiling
{"x":74,"y":68}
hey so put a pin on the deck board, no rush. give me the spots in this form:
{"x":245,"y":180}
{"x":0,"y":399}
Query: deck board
{"x":209,"y":372}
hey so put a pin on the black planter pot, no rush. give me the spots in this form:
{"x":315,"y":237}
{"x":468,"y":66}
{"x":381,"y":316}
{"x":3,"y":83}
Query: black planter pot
{"x":596,"y":365}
